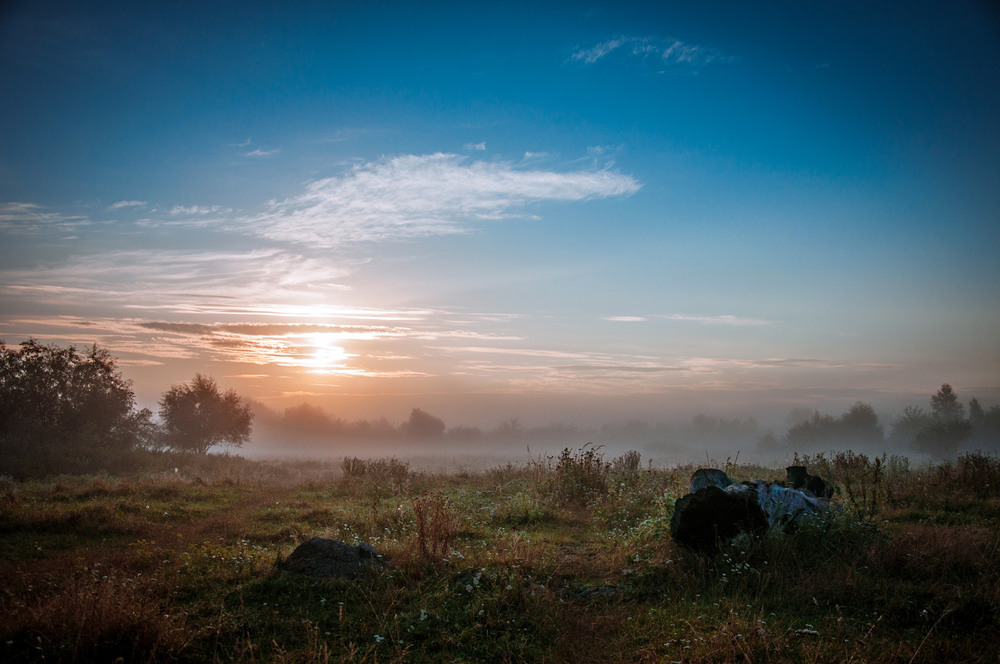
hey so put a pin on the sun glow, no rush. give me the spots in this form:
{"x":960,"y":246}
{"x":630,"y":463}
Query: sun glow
{"x":324,"y":354}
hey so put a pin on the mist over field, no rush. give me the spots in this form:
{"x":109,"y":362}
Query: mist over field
{"x":427,"y":440}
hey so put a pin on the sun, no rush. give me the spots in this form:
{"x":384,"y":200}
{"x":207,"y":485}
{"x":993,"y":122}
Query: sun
{"x":324,"y":354}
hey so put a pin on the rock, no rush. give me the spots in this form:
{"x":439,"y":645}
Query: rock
{"x":717,"y":509}
{"x":704,"y":477}
{"x":709,"y":515}
{"x":799,"y":478}
{"x":323,"y":557}
{"x":784,"y":506}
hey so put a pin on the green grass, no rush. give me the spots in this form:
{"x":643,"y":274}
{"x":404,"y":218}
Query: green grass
{"x":562,"y":559}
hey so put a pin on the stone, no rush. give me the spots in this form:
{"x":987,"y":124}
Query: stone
{"x":784,"y":507}
{"x":711,"y":515}
{"x":717,"y":509}
{"x":704,"y":477}
{"x":799,"y":478}
{"x":322,"y":557}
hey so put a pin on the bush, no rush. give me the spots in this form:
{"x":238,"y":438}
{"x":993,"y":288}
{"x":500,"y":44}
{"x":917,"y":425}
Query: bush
{"x":581,"y":476}
{"x":628,"y":463}
{"x":436,"y":525}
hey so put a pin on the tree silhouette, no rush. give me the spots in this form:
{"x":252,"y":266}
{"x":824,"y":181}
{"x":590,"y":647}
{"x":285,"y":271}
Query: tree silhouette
{"x":947,"y":427}
{"x":860,"y":426}
{"x":907,"y":425}
{"x":56,"y":396}
{"x":423,"y":425}
{"x":198,"y":416}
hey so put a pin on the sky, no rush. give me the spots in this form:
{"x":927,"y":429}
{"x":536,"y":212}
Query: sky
{"x":562,"y":212}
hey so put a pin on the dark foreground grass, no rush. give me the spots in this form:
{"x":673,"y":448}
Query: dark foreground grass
{"x":556,"y":560}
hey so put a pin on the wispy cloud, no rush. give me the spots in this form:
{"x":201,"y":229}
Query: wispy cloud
{"x":598,"y":51}
{"x":712,"y":365}
{"x":422,"y":195}
{"x":737,"y":321}
{"x":476,"y":146}
{"x":197,"y":210}
{"x":179,"y":280}
{"x":26,"y":218}
{"x":725,"y":319}
{"x":262,"y":153}
{"x":660,"y":50}
{"x":127,"y":204}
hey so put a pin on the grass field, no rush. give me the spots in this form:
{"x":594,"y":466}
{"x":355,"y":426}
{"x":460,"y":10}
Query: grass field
{"x":565,"y":559}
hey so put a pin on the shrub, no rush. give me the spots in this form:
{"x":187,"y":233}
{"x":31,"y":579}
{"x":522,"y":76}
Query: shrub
{"x":628,"y":463}
{"x":435,"y":524}
{"x":391,"y":471}
{"x":863,"y":481}
{"x":581,"y":476}
{"x":981,"y":473}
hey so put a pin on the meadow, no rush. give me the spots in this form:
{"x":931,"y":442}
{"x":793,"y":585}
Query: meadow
{"x":555,"y":559}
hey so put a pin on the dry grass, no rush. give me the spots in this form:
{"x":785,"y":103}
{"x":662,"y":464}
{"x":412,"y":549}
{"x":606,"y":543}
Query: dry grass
{"x":543,"y":561}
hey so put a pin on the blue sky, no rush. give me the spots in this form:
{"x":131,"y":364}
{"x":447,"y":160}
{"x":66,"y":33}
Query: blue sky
{"x":568,"y":212}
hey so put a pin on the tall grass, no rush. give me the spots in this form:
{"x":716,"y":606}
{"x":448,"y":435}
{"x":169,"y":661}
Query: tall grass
{"x":561,"y":559}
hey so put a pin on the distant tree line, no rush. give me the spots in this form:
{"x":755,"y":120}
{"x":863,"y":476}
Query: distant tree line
{"x":938,"y":432}
{"x":62,"y":410}
{"x":66,"y":411}
{"x":312,"y":427}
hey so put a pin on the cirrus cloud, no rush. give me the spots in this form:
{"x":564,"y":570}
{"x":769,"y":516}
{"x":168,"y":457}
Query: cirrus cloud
{"x":662,"y":50}
{"x":422,"y":195}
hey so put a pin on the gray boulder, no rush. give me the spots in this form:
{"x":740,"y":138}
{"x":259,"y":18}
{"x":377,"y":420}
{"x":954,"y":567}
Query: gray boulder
{"x":704,"y":477}
{"x":323,"y":557}
{"x":783,"y":506}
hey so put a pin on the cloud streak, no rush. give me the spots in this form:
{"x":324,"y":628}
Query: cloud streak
{"x":28,"y":218}
{"x":670,"y":52}
{"x":734,"y":321}
{"x":422,"y":195}
{"x":725,"y":319}
{"x":179,"y":280}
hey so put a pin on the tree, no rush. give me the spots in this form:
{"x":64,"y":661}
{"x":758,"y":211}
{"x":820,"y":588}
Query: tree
{"x":307,"y":418}
{"x":947,"y":427}
{"x":860,"y":426}
{"x":907,"y":425}
{"x":423,"y":425}
{"x":976,"y":413}
{"x":197,"y":416}
{"x":985,"y":426}
{"x":817,"y":432}
{"x":945,"y":405}
{"x":56,"y":396}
